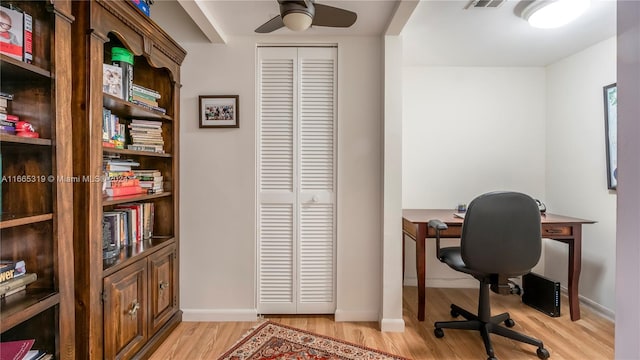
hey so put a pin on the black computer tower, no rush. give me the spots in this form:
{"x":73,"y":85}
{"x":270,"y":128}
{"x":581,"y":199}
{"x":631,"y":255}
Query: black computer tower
{"x":541,"y":293}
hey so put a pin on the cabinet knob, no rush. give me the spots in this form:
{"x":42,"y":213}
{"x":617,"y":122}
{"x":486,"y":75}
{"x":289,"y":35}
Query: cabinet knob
{"x":163,"y":285}
{"x":134,"y":308}
{"x":315,"y":198}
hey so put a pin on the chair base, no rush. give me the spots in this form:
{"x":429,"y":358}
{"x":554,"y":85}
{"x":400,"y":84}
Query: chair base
{"x":492,"y":325}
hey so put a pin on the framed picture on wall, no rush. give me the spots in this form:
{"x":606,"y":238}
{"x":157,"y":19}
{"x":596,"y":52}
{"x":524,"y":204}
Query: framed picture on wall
{"x":219,"y":111}
{"x":611,"y":133}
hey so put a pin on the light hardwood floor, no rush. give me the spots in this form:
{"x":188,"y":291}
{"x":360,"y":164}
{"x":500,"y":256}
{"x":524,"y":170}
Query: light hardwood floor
{"x":591,"y":337}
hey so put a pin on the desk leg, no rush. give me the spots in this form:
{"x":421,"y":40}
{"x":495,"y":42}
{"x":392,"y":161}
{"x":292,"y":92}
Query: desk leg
{"x":421,"y":268}
{"x":575,"y":264}
{"x":403,"y":250}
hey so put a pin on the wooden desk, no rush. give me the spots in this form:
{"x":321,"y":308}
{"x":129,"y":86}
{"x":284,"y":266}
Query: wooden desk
{"x":557,"y":227}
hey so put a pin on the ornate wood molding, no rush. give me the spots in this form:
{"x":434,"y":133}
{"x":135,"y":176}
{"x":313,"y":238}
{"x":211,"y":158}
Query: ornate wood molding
{"x":154,"y":41}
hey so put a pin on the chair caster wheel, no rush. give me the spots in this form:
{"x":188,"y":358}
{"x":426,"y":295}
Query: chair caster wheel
{"x":517,"y":290}
{"x":492,"y":358}
{"x":542,"y":353}
{"x":509,"y":323}
{"x":454,"y":313}
{"x":438,"y":333}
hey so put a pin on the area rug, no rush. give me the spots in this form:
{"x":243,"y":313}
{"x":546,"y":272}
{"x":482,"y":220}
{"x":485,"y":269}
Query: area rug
{"x":271,"y":341}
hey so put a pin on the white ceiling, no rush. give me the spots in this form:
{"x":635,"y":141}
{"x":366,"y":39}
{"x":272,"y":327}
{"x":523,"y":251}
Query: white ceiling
{"x":438,"y":33}
{"x":242,"y":17}
{"x":443,"y":33}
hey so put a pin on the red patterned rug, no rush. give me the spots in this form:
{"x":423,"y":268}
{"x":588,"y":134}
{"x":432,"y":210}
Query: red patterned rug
{"x":271,"y":341}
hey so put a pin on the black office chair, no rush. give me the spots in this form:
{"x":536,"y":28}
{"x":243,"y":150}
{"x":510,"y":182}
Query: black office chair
{"x":500,"y":239}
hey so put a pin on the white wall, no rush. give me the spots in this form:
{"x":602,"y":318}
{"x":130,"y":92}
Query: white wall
{"x":218,"y":270}
{"x":576,"y":168}
{"x":391,"y":317}
{"x":467,"y":131}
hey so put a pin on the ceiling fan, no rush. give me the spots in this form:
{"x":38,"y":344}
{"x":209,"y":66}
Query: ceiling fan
{"x":299,"y":15}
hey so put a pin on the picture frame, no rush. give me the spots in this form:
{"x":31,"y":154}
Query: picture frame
{"x":219,"y":111}
{"x":610,"y":93}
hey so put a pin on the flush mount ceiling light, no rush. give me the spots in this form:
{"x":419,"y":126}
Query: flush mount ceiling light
{"x":548,"y":14}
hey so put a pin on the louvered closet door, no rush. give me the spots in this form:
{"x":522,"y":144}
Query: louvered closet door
{"x":296,"y":244}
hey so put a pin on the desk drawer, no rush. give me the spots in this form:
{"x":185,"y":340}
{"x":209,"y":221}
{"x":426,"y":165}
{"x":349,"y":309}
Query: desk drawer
{"x":409,"y":228}
{"x":556,"y":230}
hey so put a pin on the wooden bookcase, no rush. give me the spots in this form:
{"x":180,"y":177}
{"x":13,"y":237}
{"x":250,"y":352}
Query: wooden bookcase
{"x":127,"y":305}
{"x":36,"y":222}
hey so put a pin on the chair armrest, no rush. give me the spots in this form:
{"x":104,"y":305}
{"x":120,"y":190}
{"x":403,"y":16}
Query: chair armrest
{"x":437,"y":225}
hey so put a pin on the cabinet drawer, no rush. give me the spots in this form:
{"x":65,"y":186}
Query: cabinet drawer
{"x":556,"y":230}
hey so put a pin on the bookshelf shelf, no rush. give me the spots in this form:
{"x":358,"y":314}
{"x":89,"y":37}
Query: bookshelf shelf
{"x":18,"y":308}
{"x":130,"y":254}
{"x":7,"y":139}
{"x":130,"y":110}
{"x":136,"y":152}
{"x":12,"y":220}
{"x":12,"y":69}
{"x":109,"y":201}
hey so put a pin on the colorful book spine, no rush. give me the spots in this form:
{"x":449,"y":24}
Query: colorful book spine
{"x":155,"y":108}
{"x":28,"y":38}
{"x":17,"y":283}
{"x":153,"y":94}
{"x":124,"y":191}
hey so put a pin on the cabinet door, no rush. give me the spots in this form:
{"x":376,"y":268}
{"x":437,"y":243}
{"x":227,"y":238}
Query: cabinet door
{"x":125,"y":323}
{"x":162,"y":287}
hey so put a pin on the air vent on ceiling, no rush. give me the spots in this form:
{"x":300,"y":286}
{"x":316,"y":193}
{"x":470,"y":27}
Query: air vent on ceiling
{"x":484,"y":4}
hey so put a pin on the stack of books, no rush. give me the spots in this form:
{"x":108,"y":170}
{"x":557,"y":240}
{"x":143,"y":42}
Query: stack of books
{"x":14,"y":277}
{"x":119,"y":178}
{"x":146,"y":97}
{"x":7,"y":120}
{"x":146,"y":135}
{"x":151,"y":180}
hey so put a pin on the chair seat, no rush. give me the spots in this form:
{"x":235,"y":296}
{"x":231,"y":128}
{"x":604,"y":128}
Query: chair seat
{"x":452,"y":256}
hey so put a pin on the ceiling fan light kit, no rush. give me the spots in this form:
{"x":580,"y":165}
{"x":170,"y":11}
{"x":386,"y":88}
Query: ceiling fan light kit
{"x":548,"y":14}
{"x":297,"y":21}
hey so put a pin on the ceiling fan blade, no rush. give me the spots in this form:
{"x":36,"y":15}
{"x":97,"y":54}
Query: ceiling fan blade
{"x":332,"y":16}
{"x":271,"y":25}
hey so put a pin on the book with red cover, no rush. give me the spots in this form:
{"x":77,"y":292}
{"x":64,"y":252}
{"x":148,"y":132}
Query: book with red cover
{"x":15,"y":350}
{"x":28,"y":38}
{"x":124,"y":191}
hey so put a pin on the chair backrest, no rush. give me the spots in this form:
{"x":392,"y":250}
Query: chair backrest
{"x":501,"y":234}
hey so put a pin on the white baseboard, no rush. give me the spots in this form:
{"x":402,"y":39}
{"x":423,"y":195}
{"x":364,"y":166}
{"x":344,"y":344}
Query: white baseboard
{"x":392,"y":325}
{"x":471,"y":283}
{"x":197,"y":315}
{"x":445,"y":283}
{"x":356,"y":316}
{"x":593,"y":306}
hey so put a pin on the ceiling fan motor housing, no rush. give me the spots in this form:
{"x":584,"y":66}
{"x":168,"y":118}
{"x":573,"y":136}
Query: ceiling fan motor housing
{"x":303,"y":7}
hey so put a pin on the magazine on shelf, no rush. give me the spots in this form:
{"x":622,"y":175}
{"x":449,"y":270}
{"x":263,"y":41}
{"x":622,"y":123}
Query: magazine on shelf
{"x":12,"y":34}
